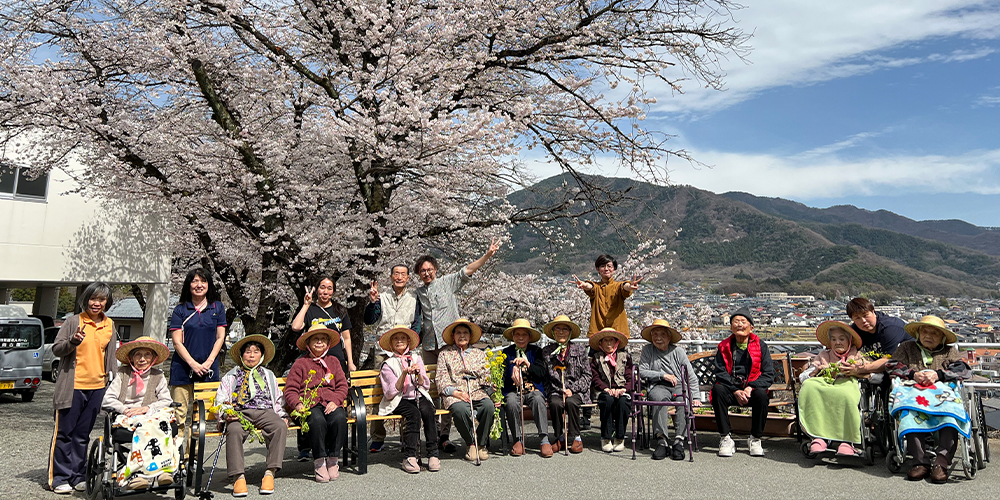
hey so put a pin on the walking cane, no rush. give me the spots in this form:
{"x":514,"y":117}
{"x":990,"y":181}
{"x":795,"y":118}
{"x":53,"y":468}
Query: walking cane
{"x":521,"y":395}
{"x":416,"y":392}
{"x":475,"y":433}
{"x":562,"y":375}
{"x":205,"y":494}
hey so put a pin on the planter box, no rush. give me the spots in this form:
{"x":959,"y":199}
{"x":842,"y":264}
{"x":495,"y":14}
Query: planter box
{"x":779,"y":425}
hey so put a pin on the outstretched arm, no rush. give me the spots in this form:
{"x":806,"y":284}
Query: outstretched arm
{"x":476,"y":264}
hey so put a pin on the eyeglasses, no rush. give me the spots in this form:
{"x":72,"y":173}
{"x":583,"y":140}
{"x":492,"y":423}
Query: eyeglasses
{"x":427,"y":270}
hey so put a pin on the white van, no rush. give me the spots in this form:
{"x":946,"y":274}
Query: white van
{"x":21,"y":352}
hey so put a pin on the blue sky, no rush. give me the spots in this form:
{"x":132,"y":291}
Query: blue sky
{"x":874,"y":103}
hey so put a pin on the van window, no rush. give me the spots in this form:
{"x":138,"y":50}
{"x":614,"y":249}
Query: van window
{"x":20,"y":337}
{"x":50,"y":334}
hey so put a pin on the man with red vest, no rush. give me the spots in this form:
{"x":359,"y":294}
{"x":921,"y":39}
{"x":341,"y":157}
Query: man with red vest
{"x":743,"y":373}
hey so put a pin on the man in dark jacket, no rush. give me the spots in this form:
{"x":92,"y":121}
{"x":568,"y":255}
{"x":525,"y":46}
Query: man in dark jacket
{"x":880,"y":334}
{"x":743,"y":373}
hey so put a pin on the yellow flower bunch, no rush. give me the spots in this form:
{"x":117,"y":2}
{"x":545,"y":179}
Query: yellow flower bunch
{"x":494,"y":363}
{"x":308,"y":400}
{"x":224,"y":410}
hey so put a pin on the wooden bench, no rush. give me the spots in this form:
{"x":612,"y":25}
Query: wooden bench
{"x":365,"y":391}
{"x":785,"y":381}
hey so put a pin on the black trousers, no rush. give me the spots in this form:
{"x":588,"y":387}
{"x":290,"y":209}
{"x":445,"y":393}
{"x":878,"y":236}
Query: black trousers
{"x":723,"y":398}
{"x":412,"y":418}
{"x":947,"y":443}
{"x":327,"y":431}
{"x":572,"y":409}
{"x":614,"y":414}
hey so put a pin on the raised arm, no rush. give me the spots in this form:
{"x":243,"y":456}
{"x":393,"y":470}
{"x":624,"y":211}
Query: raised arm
{"x":476,"y":264}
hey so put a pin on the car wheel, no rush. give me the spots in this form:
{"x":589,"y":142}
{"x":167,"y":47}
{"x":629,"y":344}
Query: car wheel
{"x":55,"y":371}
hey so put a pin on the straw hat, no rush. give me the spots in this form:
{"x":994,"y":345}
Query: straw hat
{"x":562,"y":319}
{"x":448,"y":334}
{"x":123,"y":352}
{"x":823,"y":333}
{"x":236,"y":351}
{"x":383,"y":341}
{"x":522,"y":323}
{"x":303,"y":341}
{"x":647,"y":333}
{"x":595,"y":339}
{"x":933,"y":322}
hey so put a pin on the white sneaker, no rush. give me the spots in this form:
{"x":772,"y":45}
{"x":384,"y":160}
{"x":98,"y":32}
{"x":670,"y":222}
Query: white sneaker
{"x":63,"y":489}
{"x":727,"y":447}
{"x":756,"y":449}
{"x":606,"y":445}
{"x":619,"y":445}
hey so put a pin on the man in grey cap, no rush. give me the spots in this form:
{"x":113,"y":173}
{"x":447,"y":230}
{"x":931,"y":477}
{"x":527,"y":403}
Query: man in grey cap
{"x":743,"y":374}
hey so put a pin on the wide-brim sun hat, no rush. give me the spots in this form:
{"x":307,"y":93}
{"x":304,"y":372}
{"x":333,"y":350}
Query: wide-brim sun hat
{"x":562,"y":319}
{"x":823,"y":333}
{"x":144,"y":342}
{"x":449,"y":331}
{"x":647,"y":333}
{"x":595,"y":339}
{"x":933,"y":322}
{"x":236,"y":351}
{"x":303,"y":341}
{"x":522,"y":323}
{"x":384,"y":340}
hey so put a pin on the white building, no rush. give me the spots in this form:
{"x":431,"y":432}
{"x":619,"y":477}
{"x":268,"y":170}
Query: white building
{"x":51,"y":238}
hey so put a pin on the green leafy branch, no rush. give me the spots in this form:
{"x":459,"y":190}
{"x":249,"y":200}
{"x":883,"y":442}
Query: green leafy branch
{"x":308,"y":400}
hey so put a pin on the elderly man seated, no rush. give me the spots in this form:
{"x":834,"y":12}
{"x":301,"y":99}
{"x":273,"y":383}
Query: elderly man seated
{"x":743,"y":373}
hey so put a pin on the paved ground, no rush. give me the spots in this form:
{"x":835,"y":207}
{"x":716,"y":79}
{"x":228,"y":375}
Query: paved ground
{"x":26,"y":430}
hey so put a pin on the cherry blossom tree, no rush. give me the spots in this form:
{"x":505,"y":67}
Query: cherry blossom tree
{"x":282,"y":137}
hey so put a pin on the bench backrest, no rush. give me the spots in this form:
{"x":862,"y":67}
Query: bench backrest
{"x":367,"y":381}
{"x":704,"y":366}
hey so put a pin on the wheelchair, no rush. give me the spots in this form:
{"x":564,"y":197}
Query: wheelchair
{"x":972,"y":452}
{"x":874,"y":408}
{"x":106,"y":460}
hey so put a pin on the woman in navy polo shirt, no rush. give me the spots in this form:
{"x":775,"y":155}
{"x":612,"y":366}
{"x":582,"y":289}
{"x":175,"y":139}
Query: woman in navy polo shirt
{"x":198,"y":330}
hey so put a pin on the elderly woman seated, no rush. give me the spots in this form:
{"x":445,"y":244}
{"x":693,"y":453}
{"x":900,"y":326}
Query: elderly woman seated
{"x":464,"y":381}
{"x":829,"y":402}
{"x":316,"y":388}
{"x":139,"y":397}
{"x":926,"y":367}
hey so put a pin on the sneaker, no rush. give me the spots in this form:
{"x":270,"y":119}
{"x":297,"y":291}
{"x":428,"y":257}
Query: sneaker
{"x":677,"y":451}
{"x":63,"y":489}
{"x":727,"y":447}
{"x":410,"y":465}
{"x":606,"y":445}
{"x":433,"y":464}
{"x":817,"y":446}
{"x":322,"y":475}
{"x":81,"y":486}
{"x":376,"y":447}
{"x":304,"y":456}
{"x":332,"y":468}
{"x":756,"y":449}
{"x":660,"y":452}
{"x":619,"y":445}
{"x":240,"y":486}
{"x":846,"y":450}
{"x":267,"y":484}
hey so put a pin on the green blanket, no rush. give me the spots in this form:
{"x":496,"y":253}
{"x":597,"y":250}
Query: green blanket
{"x":831,"y":411}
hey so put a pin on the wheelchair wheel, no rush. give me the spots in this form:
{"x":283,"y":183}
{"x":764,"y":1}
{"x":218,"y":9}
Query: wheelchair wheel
{"x":110,"y":482}
{"x":805,"y":449}
{"x":181,"y":491}
{"x":869,"y":454}
{"x":95,"y":468}
{"x":893,"y":463}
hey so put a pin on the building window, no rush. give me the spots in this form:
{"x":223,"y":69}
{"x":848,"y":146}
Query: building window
{"x":19,"y":183}
{"x":124,"y":332}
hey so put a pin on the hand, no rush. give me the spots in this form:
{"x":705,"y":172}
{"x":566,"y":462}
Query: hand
{"x":849,"y":370}
{"x":80,"y":334}
{"x":307,"y":300}
{"x":582,"y":285}
{"x":131,"y":412}
{"x":925,"y":377}
{"x":516,"y":376}
{"x":231,"y":418}
{"x":633,"y":284}
{"x":198,"y":369}
{"x":300,"y":408}
{"x":494,"y":246}
{"x":670,"y":378}
{"x":285,"y":420}
{"x":329,"y":408}
{"x":351,"y":366}
{"x":741,"y":397}
{"x":461,"y":395}
{"x":568,"y":393}
{"x":522,"y":361}
{"x":696,"y":403}
{"x":373,"y":293}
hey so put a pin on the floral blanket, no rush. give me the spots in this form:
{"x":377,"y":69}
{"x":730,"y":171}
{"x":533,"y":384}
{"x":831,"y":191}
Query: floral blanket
{"x":154,"y":448}
{"x":927,"y":409}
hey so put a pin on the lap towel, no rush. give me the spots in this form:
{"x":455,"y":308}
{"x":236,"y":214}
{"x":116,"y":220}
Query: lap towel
{"x":831,"y":411}
{"x":154,"y":447}
{"x":927,"y":409}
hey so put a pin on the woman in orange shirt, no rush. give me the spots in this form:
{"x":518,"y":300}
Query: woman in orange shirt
{"x":86,"y":347}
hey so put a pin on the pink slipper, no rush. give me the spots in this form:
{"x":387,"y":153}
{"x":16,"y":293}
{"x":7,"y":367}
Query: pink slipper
{"x":319,"y":465}
{"x":818,"y":446}
{"x":846,"y":450}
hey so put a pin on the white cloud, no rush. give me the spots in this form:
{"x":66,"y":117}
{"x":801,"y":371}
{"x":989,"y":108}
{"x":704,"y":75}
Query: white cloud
{"x":801,"y":42}
{"x":801,"y":177}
